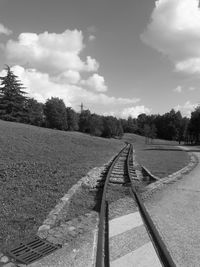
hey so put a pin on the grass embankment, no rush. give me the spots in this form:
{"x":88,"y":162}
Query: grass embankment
{"x":37,"y":167}
{"x":161,"y":157}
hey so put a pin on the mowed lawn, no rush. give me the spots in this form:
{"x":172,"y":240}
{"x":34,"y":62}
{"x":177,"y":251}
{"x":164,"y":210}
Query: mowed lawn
{"x":37,"y":167}
{"x":161,"y":157}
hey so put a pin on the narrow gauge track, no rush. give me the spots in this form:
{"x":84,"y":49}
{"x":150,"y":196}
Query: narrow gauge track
{"x":122,"y":172}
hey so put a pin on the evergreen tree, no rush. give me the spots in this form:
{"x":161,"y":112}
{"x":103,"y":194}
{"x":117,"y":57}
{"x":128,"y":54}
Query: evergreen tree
{"x":12,"y":98}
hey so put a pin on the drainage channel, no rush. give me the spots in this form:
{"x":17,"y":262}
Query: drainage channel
{"x":28,"y":252}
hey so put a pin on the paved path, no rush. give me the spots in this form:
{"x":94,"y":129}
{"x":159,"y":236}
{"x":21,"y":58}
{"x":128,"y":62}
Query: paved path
{"x":129,"y":243}
{"x":176,"y":212}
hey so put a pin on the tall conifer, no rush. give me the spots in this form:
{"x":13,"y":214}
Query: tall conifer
{"x":12,"y":97}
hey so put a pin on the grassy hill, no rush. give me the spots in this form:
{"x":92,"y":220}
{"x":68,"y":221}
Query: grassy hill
{"x":37,"y":167}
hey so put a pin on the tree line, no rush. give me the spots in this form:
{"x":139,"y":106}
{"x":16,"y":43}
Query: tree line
{"x":16,"y":106}
{"x":169,"y":126}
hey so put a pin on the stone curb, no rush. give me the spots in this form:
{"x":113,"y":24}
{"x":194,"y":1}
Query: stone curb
{"x":151,"y":188}
{"x":89,"y":181}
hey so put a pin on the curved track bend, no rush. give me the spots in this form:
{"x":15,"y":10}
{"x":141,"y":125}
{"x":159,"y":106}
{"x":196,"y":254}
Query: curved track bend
{"x":123,"y":173}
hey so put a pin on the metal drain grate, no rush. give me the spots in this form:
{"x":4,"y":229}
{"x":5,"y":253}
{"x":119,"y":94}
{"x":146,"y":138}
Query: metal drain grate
{"x":32,"y":250}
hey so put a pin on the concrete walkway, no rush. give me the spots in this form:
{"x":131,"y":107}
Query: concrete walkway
{"x":175,"y":210}
{"x":129,"y":243}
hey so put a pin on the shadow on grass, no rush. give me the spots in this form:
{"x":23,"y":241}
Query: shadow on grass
{"x":164,"y":149}
{"x":164,"y":144}
{"x":192,"y":148}
{"x":173,"y":149}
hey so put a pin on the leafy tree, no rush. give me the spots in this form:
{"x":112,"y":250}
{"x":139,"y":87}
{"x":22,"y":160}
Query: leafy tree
{"x":96,"y":125}
{"x":55,"y":112}
{"x":120,"y":130}
{"x":183,"y":131}
{"x":35,"y":112}
{"x":194,"y":125}
{"x":142,"y":119}
{"x":12,"y":98}
{"x":147,"y":133}
{"x":84,"y":121}
{"x":153,"y":132}
{"x":72,"y":119}
{"x":112,"y":127}
{"x":131,"y":125}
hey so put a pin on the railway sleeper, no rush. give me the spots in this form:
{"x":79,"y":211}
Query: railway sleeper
{"x":117,"y":181}
{"x":117,"y":176}
{"x":122,"y":168}
{"x":119,"y":173}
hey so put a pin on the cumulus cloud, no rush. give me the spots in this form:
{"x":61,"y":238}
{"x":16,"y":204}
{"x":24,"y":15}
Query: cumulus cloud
{"x":50,"y":65}
{"x":41,"y":86}
{"x":178,"y":89}
{"x":69,"y":76}
{"x":174,"y":31}
{"x":134,"y":111}
{"x":92,"y":37}
{"x":4,"y":30}
{"x":124,"y":113}
{"x":95,"y":82}
{"x":186,"y":108}
{"x":50,"y":52}
{"x":191,"y":88}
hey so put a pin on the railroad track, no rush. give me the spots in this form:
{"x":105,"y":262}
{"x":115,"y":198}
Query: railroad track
{"x":124,"y":175}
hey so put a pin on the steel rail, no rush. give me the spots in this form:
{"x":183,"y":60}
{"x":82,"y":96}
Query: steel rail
{"x":102,"y":257}
{"x":161,"y":249}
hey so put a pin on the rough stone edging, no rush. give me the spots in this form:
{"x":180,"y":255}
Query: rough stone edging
{"x":90,"y":180}
{"x":151,"y":188}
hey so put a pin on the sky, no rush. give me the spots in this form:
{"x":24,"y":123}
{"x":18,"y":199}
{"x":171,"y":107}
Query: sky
{"x":118,"y":58}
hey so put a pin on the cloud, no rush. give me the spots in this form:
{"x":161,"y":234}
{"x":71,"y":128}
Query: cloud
{"x":41,"y":86}
{"x":174,"y":31}
{"x":4,"y":30}
{"x":69,"y":76}
{"x":92,"y":37}
{"x":134,"y":111}
{"x":191,"y":88}
{"x":186,"y":108}
{"x":50,"y":65}
{"x":95,"y":82}
{"x":178,"y":89}
{"x":50,"y":52}
{"x":124,"y":113}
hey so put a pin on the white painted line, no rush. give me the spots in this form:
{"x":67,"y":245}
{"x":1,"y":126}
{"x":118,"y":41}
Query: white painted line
{"x":94,"y":250}
{"x":144,"y":256}
{"x":124,"y":223}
